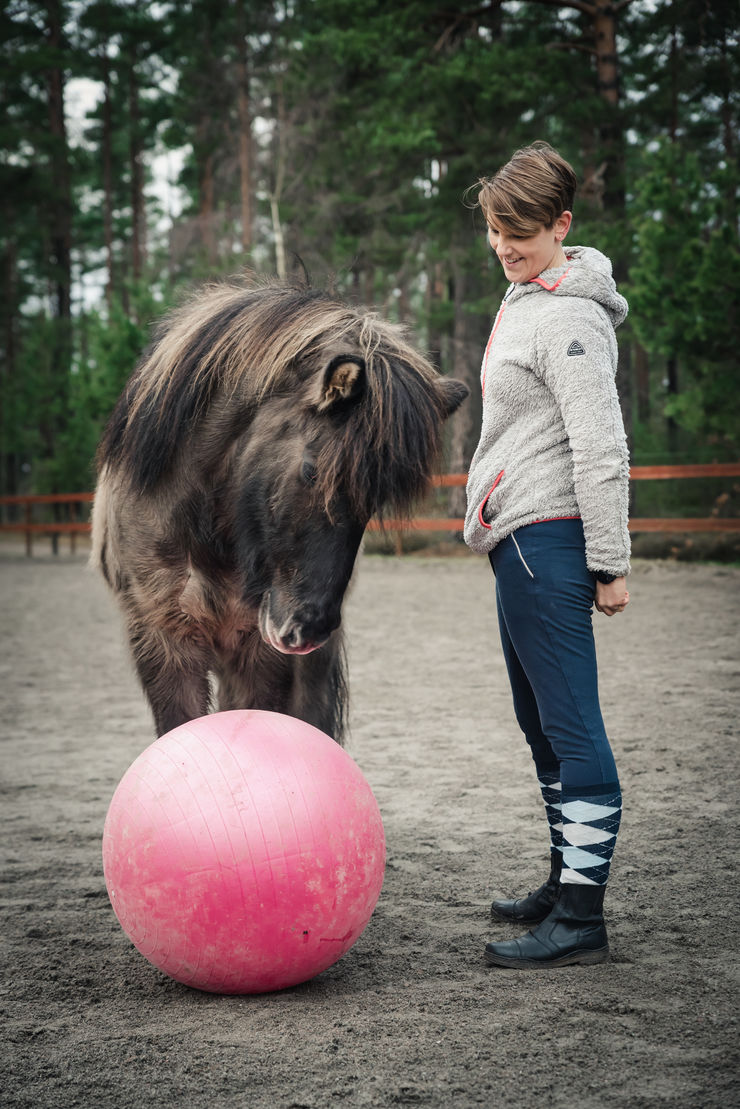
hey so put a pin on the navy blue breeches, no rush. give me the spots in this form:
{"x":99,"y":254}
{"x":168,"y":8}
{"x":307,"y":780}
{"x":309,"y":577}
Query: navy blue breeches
{"x":544,"y":594}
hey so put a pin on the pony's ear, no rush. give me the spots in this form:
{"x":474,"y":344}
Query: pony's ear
{"x":343,"y":379}
{"x":453,"y":393}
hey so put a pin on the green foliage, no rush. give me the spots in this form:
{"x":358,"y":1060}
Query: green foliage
{"x":667,"y":221}
{"x":683,"y":288}
{"x":368,"y":123}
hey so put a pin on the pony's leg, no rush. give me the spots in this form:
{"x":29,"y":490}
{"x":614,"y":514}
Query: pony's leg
{"x":174,"y":675}
{"x":309,"y":687}
{"x":319,"y":690}
{"x":255,"y":677}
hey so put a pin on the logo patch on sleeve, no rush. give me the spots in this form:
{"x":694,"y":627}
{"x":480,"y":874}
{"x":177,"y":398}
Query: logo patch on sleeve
{"x":575,"y":348}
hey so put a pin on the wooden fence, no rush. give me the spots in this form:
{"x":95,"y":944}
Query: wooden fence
{"x":74,"y":525}
{"x":637,"y":473}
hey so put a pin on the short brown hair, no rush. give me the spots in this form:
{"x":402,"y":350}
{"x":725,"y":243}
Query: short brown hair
{"x":534,"y":187}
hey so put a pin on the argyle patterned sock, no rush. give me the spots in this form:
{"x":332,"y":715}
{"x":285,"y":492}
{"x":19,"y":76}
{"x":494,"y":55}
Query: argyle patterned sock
{"x":590,"y":824}
{"x":552,"y":796}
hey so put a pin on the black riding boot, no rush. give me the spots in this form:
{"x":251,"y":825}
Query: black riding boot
{"x":574,"y":932}
{"x":537,"y":905}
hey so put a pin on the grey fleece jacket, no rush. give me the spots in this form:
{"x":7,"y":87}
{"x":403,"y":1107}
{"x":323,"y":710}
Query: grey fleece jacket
{"x":552,"y":443}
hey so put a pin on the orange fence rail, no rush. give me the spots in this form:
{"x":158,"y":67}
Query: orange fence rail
{"x":73,"y":526}
{"x":637,"y":524}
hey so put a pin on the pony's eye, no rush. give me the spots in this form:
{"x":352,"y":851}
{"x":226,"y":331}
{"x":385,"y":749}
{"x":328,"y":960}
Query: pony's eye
{"x":309,"y":472}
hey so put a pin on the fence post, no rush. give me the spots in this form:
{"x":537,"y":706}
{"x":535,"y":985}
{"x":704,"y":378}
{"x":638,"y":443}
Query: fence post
{"x":29,"y":533}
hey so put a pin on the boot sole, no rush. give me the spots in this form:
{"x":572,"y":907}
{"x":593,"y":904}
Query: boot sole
{"x":585,"y":957}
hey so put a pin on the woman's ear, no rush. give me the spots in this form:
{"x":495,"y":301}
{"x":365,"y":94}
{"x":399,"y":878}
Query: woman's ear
{"x":562,"y":225}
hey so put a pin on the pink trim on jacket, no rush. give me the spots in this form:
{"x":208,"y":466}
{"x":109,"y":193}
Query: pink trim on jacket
{"x":484,"y":368}
{"x":551,"y":288}
{"x":484,"y":502}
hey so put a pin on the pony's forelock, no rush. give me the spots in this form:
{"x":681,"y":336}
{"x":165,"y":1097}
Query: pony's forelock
{"x":245,"y":342}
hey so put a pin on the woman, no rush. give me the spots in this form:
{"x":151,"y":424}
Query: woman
{"x":547,"y":502}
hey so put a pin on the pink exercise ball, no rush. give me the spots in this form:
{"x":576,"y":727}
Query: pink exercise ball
{"x":243,"y":852}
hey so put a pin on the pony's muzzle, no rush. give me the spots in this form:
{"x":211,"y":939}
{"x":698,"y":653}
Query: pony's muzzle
{"x":299,"y":632}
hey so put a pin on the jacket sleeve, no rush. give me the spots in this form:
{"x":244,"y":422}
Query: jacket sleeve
{"x":577,"y":360}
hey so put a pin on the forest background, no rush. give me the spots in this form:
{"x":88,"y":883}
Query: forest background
{"x":147,"y":147}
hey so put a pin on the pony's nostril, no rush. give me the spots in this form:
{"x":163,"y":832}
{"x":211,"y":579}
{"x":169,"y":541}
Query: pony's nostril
{"x":308,"y":616}
{"x":313,"y":624}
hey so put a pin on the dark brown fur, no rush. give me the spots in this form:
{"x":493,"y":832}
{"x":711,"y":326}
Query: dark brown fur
{"x":238,"y":471}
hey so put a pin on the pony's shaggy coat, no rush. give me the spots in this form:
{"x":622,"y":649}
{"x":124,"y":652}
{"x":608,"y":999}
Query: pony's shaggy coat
{"x":252,"y":444}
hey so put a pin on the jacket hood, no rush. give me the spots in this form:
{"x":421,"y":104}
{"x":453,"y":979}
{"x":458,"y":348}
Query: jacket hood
{"x":587,"y":274}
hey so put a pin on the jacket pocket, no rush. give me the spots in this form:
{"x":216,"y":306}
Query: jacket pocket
{"x":484,"y":503}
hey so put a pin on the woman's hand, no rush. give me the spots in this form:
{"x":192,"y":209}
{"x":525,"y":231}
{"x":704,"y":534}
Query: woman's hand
{"x":613,"y":597}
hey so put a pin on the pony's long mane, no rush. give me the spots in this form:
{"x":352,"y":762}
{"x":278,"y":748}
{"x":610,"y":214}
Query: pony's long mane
{"x":243,"y":343}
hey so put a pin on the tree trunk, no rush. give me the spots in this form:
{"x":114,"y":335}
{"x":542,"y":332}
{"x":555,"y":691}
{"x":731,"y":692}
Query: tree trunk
{"x":61,"y":195}
{"x":279,"y":180}
{"x":624,"y":387}
{"x":138,"y":230}
{"x":611,"y":131}
{"x":726,"y":113}
{"x":435,"y":294}
{"x":466,"y":349}
{"x":672,"y":383}
{"x":206,"y":188}
{"x":277,"y":232}
{"x":366,"y":285}
{"x":603,"y":21}
{"x":675,"y":61}
{"x":245,"y":130}
{"x":642,"y":383}
{"x":729,"y":137}
{"x":60,"y":235}
{"x":107,"y":145}
{"x":9,"y":291}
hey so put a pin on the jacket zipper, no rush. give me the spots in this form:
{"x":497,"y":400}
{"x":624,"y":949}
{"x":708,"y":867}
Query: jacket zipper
{"x":484,"y":367}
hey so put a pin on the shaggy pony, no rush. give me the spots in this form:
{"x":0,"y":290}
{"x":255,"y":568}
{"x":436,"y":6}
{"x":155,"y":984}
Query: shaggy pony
{"x":238,"y":471}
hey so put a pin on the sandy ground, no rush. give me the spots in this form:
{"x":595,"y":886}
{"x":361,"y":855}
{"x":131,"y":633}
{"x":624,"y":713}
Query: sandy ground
{"x":411,"y":1016}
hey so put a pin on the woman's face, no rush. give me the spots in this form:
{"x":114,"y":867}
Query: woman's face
{"x":525,"y":258}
